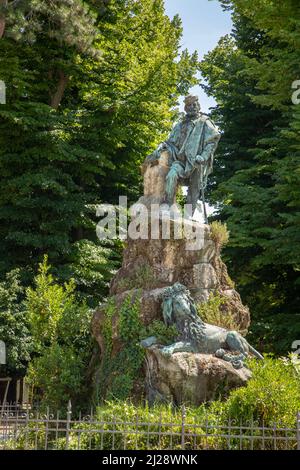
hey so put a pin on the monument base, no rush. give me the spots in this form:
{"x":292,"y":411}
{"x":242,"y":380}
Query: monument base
{"x":190,"y":378}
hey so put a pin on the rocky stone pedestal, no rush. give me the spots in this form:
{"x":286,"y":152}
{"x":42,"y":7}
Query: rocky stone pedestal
{"x":149,"y":266}
{"x":154,"y":264}
{"x":190,"y":378}
{"x":169,"y":254}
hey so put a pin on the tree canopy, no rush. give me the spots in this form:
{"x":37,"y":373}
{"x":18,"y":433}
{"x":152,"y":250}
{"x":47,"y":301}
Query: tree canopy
{"x":91,"y":89}
{"x":256,"y":182}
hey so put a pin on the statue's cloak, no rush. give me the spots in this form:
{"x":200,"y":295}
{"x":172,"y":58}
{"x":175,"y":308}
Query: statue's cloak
{"x":202,"y":139}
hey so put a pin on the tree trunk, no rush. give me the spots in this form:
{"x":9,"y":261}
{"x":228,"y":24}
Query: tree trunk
{"x":2,"y":26}
{"x":57,"y":96}
{"x":3,"y":3}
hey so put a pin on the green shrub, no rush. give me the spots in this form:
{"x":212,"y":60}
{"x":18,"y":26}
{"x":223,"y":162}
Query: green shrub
{"x":119,"y":372}
{"x":60,"y":325}
{"x":31,"y":436}
{"x":58,"y":375}
{"x":142,"y":277}
{"x":164,"y":334}
{"x":126,"y":418}
{"x":272,"y":394}
{"x":14,"y":326}
{"x":46,"y":304}
{"x":211,"y":312}
{"x":219,"y":233}
{"x":271,"y":399}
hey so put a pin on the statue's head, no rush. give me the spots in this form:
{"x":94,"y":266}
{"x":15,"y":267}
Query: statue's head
{"x":178,"y":305}
{"x":174,"y":290}
{"x":192,"y":106}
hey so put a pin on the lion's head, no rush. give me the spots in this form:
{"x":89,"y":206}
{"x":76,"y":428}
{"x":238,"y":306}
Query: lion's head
{"x":179,"y":307}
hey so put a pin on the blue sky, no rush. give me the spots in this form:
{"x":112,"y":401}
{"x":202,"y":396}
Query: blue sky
{"x":204,"y":22}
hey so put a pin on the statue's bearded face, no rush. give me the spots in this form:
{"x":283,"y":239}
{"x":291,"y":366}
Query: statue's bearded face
{"x":192,"y":109}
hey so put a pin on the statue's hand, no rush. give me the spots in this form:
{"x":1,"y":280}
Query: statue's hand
{"x":163,"y":146}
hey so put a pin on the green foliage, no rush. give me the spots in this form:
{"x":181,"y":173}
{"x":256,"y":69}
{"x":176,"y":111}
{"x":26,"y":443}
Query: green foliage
{"x":278,"y":66}
{"x":29,"y":437}
{"x":46,"y":305}
{"x":219,"y":233}
{"x":71,"y":22}
{"x":272,"y":394}
{"x":44,"y":206}
{"x":164,"y":334}
{"x":129,"y":321}
{"x":91,"y":266}
{"x":211,"y":312}
{"x":14,"y":326}
{"x":122,"y":413}
{"x":141,"y":277}
{"x":119,"y":371}
{"x":275,"y":333}
{"x":270,"y":398}
{"x":60,"y":326}
{"x":58,"y":374}
{"x":92,"y":87}
{"x":107,"y":329}
{"x":181,"y":199}
{"x":256,"y":180}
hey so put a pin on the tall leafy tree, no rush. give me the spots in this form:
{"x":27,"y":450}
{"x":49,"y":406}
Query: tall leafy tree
{"x":90,"y":85}
{"x":258,"y":164}
{"x":42,"y":200}
{"x":14,"y":327}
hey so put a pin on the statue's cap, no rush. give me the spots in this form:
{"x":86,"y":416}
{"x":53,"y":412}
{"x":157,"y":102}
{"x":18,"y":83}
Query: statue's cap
{"x":190,"y":99}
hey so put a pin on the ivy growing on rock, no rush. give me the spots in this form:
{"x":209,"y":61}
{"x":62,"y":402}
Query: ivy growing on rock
{"x":165,"y":334}
{"x":119,"y":371}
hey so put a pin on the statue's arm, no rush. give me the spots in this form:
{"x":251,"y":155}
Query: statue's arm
{"x":180,"y":346}
{"x":211,"y":140}
{"x":173,"y":137}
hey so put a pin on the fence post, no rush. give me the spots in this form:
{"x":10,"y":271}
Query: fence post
{"x":183,"y":416}
{"x":298,"y":431}
{"x":69,"y":414}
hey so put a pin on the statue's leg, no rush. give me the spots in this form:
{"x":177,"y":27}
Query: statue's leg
{"x":180,"y":346}
{"x":194,"y":189}
{"x":176,"y":172}
{"x":236,"y":342}
{"x":236,"y":361}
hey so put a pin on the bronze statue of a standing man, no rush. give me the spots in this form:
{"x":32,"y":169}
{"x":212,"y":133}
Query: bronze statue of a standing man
{"x":191,"y":146}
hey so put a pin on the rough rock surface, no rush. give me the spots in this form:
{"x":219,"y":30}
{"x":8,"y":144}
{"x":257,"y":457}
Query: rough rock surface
{"x":190,"y":378}
{"x":155,"y":264}
{"x":154,"y":181}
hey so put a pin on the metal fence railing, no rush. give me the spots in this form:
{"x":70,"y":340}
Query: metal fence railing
{"x":28,"y":428}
